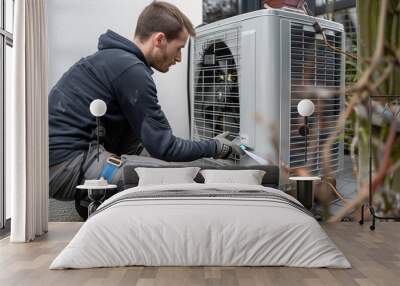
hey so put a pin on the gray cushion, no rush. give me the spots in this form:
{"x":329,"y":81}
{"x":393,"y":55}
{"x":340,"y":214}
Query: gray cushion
{"x":270,"y":179}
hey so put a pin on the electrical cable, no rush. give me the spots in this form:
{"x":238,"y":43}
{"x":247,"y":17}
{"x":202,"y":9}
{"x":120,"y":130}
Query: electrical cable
{"x":319,"y":30}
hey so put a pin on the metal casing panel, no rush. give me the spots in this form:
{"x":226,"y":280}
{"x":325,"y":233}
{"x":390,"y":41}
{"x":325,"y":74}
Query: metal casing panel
{"x":281,"y":13}
{"x":268,"y":88}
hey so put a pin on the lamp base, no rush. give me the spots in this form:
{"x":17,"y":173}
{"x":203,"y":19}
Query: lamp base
{"x":305,"y":193}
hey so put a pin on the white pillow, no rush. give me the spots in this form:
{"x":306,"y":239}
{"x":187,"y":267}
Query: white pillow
{"x":164,"y":176}
{"x":248,"y":177}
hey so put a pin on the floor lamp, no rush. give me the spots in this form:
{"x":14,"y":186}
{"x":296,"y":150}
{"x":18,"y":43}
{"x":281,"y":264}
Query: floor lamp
{"x":96,"y":187}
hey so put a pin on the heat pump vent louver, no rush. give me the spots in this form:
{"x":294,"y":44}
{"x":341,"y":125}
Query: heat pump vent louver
{"x":216,"y":106}
{"x":314,"y":65}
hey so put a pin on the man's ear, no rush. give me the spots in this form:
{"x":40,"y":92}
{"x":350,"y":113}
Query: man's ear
{"x":159,"y":39}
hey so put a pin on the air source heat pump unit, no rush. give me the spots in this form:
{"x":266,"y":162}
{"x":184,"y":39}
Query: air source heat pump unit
{"x":261,"y":64}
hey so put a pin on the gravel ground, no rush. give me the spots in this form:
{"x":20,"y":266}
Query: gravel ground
{"x":62,"y":211}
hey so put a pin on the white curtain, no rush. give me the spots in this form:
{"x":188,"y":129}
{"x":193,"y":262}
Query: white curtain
{"x":26,"y":124}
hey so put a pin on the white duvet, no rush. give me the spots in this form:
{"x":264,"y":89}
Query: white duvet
{"x":200,"y":231}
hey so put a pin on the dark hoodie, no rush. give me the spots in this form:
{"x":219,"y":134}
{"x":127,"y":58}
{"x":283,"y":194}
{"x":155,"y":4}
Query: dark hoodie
{"x":119,"y":75}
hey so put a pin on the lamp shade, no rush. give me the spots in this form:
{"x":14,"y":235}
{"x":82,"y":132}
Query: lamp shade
{"x":305,"y":107}
{"x":98,"y":107}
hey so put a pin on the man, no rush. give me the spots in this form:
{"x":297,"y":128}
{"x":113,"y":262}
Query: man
{"x":119,"y":73}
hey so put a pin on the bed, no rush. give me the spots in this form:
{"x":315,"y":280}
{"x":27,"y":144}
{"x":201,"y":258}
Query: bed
{"x":201,"y":224}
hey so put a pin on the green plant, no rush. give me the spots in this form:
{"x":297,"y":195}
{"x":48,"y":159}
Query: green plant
{"x":378,"y":76}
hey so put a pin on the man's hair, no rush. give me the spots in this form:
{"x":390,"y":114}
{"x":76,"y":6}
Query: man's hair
{"x":162,"y":17}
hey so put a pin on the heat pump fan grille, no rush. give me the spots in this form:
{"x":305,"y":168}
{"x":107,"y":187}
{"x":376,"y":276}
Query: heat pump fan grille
{"x":314,"y":65}
{"x":216,"y":106}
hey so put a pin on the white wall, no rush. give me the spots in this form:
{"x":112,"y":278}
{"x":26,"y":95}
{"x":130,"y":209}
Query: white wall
{"x":73,"y":30}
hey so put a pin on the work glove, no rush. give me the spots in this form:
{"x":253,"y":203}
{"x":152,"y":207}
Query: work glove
{"x":225,"y":147}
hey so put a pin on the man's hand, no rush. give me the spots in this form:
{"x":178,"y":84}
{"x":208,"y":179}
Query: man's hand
{"x":226,"y":147}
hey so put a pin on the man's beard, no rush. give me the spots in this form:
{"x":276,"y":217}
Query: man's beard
{"x":160,"y":63}
{"x":162,"y":69}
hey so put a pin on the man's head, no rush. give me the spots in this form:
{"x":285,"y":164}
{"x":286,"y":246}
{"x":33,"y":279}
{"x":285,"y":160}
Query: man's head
{"x":161,"y":32}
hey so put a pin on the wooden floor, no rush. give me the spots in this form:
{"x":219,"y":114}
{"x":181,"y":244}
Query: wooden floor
{"x":374,"y":255}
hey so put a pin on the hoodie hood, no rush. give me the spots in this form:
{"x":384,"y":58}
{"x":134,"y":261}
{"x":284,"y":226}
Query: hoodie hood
{"x":112,"y":40}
